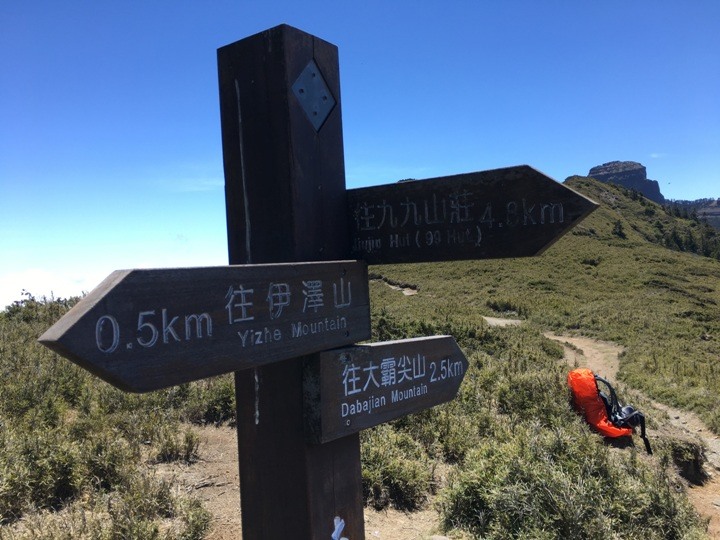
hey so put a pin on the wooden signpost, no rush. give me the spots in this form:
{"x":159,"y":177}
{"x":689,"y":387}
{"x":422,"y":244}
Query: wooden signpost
{"x":300,"y":404}
{"x":286,"y":201}
{"x":355,"y":388}
{"x":142,"y":330}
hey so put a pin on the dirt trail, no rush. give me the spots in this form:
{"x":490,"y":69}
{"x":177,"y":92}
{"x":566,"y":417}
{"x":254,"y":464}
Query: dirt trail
{"x":214,"y":478}
{"x":603,"y":358}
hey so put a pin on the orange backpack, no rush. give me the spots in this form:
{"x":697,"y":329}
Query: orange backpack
{"x":604,"y":412}
{"x":587,"y":401}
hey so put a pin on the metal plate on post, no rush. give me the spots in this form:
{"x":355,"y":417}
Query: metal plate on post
{"x":313,"y":94}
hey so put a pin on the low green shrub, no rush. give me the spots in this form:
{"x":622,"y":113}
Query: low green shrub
{"x":73,"y":449}
{"x":110,"y":460}
{"x":174,"y":446}
{"x":396,"y":471}
{"x":211,"y":401}
{"x":563,"y":483}
{"x":539,"y":395}
{"x":39,"y":469}
{"x":145,"y":508}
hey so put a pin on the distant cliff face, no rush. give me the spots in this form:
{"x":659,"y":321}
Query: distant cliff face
{"x":711,"y":213}
{"x":630,"y":174}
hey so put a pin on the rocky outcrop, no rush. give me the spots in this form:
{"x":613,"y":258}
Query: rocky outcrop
{"x":631,"y":175}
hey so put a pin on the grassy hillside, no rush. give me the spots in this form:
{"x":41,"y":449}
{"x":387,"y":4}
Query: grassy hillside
{"x":507,"y":459}
{"x":611,"y":278}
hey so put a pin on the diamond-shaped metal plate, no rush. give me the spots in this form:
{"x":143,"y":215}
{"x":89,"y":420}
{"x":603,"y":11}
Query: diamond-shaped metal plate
{"x":313,"y":94}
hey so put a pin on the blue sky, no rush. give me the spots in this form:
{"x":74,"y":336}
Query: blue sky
{"x":110,"y":150}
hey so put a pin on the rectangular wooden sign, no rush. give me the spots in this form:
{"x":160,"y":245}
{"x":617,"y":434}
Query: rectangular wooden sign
{"x":354,"y":388}
{"x":141,"y":330}
{"x":511,"y":212}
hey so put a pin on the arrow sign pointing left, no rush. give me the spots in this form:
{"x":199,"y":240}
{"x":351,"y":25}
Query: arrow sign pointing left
{"x":142,"y":330}
{"x":354,"y":388}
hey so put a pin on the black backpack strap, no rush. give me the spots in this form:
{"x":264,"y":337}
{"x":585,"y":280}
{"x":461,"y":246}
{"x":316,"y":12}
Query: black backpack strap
{"x":642,"y":433}
{"x":638,"y":419}
{"x":613,"y":405}
{"x":618,"y":418}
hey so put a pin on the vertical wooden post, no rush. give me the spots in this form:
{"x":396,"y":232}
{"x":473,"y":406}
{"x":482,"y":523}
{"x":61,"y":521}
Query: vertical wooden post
{"x":286,"y":201}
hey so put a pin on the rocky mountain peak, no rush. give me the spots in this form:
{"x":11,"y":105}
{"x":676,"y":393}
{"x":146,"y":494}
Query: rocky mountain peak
{"x":631,"y":175}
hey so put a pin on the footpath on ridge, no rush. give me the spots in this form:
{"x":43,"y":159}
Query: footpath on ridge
{"x":214,"y":477}
{"x":602,"y":357}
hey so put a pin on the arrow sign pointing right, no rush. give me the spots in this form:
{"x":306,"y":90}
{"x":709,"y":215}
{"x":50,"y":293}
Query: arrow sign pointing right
{"x":354,"y":388}
{"x":511,"y":212}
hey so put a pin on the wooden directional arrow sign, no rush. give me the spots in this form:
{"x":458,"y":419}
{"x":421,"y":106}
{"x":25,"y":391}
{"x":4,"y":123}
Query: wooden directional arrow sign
{"x":350,"y":389}
{"x":141,"y":330}
{"x":512,"y":212}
